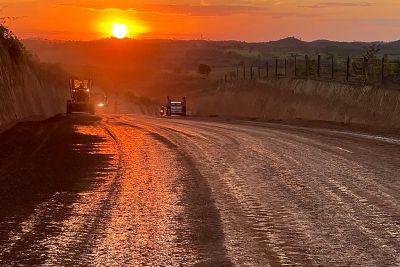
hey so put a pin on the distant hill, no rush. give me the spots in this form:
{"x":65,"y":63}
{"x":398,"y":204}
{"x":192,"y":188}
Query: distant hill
{"x":393,"y":45}
{"x":180,"y":54}
{"x":288,"y":42}
{"x":292,"y":44}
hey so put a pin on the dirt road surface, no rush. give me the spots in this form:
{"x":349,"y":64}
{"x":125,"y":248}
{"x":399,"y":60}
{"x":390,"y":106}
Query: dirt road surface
{"x":138,"y":191}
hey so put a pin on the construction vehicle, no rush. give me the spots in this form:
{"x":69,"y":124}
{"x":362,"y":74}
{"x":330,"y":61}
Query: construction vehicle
{"x":80,"y":97}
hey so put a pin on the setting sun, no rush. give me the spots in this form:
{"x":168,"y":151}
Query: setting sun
{"x":121,"y":27}
{"x":119,"y":31}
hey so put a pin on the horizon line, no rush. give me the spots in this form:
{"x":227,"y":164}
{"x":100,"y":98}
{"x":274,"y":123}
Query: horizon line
{"x":204,"y":40}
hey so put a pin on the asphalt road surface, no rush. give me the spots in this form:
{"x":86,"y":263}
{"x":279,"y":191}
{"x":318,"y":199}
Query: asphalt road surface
{"x":139,"y":191}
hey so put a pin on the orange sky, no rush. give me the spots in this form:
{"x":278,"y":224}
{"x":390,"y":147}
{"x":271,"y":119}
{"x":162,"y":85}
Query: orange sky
{"x":248,"y":20}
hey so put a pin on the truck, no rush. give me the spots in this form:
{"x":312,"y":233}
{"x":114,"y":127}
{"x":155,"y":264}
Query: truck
{"x":174,"y":108}
{"x":80,"y":97}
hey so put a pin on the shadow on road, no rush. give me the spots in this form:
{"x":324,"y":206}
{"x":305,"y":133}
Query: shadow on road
{"x":39,"y":160}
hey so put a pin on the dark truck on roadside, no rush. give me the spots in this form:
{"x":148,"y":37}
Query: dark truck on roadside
{"x":174,"y":108}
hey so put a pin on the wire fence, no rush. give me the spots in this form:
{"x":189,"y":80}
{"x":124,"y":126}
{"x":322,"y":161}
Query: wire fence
{"x":356,"y":70}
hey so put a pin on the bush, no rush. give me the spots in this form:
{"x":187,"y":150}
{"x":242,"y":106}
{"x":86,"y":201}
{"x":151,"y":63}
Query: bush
{"x":204,"y":69}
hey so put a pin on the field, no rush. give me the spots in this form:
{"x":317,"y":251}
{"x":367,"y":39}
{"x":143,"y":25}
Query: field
{"x":156,"y":68}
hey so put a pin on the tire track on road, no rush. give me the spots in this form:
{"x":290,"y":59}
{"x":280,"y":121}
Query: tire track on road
{"x":322,"y":189}
{"x":206,"y":237}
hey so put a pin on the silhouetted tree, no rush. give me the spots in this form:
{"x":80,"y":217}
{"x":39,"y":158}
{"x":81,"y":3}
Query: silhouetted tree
{"x":371,"y":51}
{"x":369,"y":59}
{"x":204,"y":69}
{"x":9,"y":41}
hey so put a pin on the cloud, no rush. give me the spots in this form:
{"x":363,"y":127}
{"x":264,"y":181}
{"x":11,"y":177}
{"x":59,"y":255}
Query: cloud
{"x":192,"y":10}
{"x":339,"y":4}
{"x":379,"y":22}
{"x":279,"y":15}
{"x":180,"y":9}
{"x":199,"y":10}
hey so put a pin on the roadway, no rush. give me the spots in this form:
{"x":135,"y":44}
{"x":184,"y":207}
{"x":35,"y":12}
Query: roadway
{"x":141,"y":191}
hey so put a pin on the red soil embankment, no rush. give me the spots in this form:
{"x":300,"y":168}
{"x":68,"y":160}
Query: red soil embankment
{"x":287,"y":99}
{"x":29,"y":91}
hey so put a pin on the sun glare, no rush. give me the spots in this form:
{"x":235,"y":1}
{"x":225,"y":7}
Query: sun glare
{"x":119,"y":31}
{"x":120,"y":27}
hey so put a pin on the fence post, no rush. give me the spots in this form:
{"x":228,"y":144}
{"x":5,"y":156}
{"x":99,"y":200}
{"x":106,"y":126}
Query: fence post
{"x":259,"y":71}
{"x":244,"y":71}
{"x":383,"y":69}
{"x":251,"y":72}
{"x":319,"y":66}
{"x":237,"y":73}
{"x":332,"y":68}
{"x":295,"y":65}
{"x":276,"y":67}
{"x":306,"y":59}
{"x":348,"y":69}
{"x":267,"y":65}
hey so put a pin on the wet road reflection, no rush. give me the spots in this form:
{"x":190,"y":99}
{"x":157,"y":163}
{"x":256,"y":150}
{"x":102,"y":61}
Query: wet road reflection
{"x":138,"y":191}
{"x":50,"y":185}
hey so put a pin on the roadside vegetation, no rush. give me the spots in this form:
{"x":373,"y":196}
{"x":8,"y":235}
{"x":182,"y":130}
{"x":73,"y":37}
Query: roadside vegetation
{"x":24,"y":74}
{"x":10,"y":43}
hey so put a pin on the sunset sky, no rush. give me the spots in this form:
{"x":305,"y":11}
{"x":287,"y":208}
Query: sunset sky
{"x":248,"y":20}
